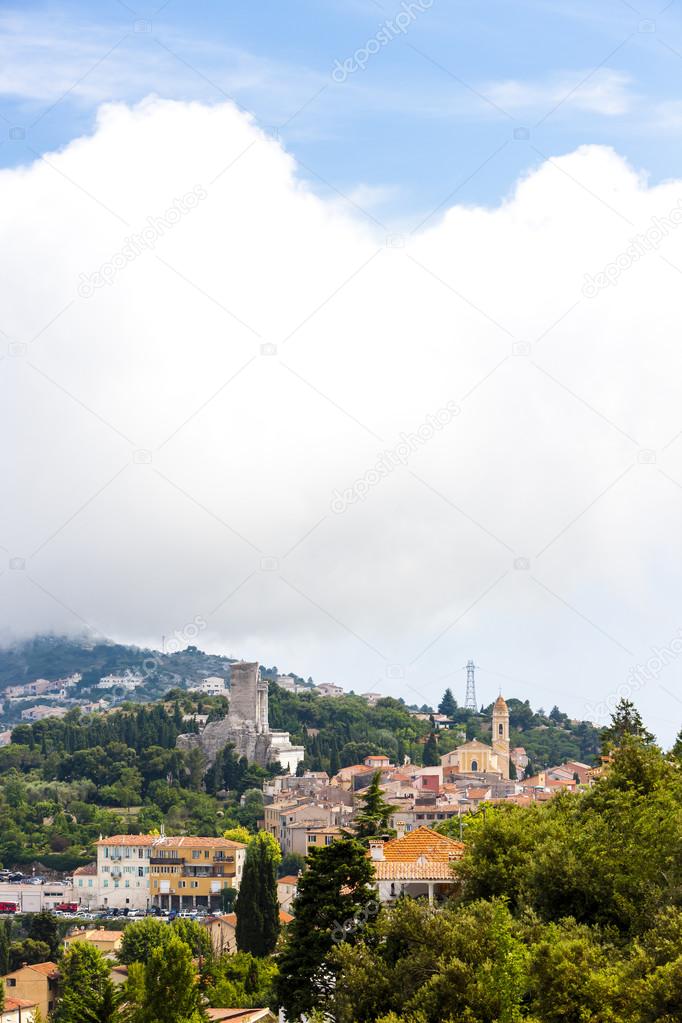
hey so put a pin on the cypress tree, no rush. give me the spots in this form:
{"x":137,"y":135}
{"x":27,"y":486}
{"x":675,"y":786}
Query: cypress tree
{"x":257,"y":905}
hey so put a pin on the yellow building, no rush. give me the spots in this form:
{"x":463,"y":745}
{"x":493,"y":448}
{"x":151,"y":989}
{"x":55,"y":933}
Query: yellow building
{"x":185,"y":872}
{"x":476,"y":757}
{"x":103,"y":940}
{"x":36,"y":984}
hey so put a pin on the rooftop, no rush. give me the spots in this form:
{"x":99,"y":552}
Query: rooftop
{"x":422,"y":841}
{"x":409,"y":871}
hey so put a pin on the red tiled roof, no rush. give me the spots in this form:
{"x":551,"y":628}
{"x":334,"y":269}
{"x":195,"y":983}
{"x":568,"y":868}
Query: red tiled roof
{"x":127,"y":840}
{"x":410,"y":871}
{"x":18,"y":1003}
{"x":289,"y":879}
{"x":423,"y":842}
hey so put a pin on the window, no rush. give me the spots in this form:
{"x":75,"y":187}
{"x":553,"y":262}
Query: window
{"x":194,"y":884}
{"x":196,"y":853}
{"x":140,"y":871}
{"x":11,"y":982}
{"x":500,"y":729}
{"x":474,"y":765}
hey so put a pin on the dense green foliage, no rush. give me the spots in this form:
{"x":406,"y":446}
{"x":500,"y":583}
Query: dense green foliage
{"x":334,"y":897}
{"x":240,"y":980}
{"x":257,"y":906}
{"x":143,"y":936}
{"x":86,"y":991}
{"x":373,"y":813}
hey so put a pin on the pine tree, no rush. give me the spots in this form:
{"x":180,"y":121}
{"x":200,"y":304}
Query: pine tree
{"x":448,"y":705}
{"x":373,"y":818}
{"x":431,"y":755}
{"x":170,"y":991}
{"x":87,"y":992}
{"x":625,"y":720}
{"x":257,"y":906}
{"x":335,"y":897}
{"x":43,"y":927}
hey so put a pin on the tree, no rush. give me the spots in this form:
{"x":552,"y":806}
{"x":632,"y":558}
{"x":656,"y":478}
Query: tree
{"x":170,"y":989}
{"x":625,"y":720}
{"x":86,"y":991}
{"x":238,"y":834}
{"x":372,"y":819}
{"x":5,"y":938}
{"x":240,"y":979}
{"x":143,"y":936}
{"x":28,"y":951}
{"x":43,"y":927}
{"x":448,"y":705}
{"x":292,"y":863}
{"x":335,"y":898}
{"x":257,"y":906}
{"x":431,"y":755}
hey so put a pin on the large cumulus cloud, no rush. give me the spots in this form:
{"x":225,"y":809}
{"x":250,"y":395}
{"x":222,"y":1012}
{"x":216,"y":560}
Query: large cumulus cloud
{"x":353,"y":452}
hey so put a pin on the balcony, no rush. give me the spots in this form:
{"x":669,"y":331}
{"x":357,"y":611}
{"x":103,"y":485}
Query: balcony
{"x":166,"y":861}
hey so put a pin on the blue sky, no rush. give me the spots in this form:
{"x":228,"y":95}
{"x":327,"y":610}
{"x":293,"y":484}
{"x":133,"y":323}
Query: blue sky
{"x":439,"y":114}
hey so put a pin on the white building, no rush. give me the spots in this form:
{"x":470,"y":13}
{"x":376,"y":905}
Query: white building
{"x":211,"y":686}
{"x":288,"y":756}
{"x":372,"y":698}
{"x":127,"y":681}
{"x":329,"y":689}
{"x":122,"y":878}
{"x":288,"y":683}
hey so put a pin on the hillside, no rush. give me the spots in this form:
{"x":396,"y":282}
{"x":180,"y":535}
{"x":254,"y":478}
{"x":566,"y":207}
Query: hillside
{"x":53,"y":657}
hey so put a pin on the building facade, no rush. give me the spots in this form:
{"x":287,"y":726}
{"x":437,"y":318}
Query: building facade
{"x":186,"y":872}
{"x":122,"y":877}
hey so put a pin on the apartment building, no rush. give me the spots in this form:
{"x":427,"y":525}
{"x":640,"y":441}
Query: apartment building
{"x":213,"y":685}
{"x":296,"y":823}
{"x":186,"y":872}
{"x":122,"y":877}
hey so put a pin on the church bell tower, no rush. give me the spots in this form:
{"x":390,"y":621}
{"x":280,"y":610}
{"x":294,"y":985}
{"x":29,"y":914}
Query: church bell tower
{"x":501,"y":734}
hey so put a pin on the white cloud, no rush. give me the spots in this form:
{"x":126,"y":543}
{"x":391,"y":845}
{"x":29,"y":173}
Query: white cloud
{"x":372,"y":338}
{"x":603,"y":92}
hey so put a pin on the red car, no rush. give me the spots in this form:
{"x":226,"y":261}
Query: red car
{"x":65,"y":907}
{"x":8,"y":907}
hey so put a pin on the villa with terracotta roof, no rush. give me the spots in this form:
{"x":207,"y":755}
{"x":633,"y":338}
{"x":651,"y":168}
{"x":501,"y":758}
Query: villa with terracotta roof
{"x":36,"y":984}
{"x":420,"y":863}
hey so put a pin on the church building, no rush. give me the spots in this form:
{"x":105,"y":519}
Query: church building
{"x":476,"y":757}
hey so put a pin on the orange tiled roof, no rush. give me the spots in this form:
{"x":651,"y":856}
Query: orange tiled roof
{"x":410,"y":871}
{"x":423,"y":842}
{"x":284,"y":917}
{"x":197,"y":842}
{"x":128,"y":840}
{"x":18,"y":1003}
{"x":95,"y":934}
{"x":289,"y":879}
{"x":48,"y":969}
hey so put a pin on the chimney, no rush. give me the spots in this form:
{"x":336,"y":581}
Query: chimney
{"x":376,"y":849}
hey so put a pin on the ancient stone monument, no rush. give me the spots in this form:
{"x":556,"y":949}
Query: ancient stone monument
{"x":246,"y":726}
